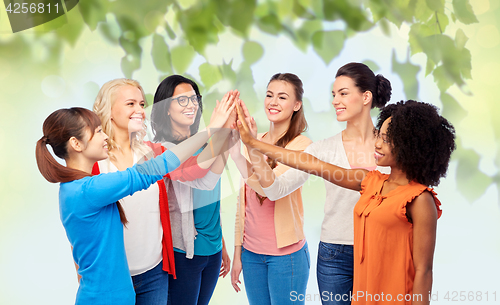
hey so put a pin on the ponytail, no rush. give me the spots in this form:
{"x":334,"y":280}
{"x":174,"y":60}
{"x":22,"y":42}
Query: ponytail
{"x":58,"y":128}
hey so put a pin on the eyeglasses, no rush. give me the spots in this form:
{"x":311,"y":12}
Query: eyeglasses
{"x":184,"y":100}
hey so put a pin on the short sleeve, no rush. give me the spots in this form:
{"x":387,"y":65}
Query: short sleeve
{"x":370,"y":181}
{"x":417,"y":193}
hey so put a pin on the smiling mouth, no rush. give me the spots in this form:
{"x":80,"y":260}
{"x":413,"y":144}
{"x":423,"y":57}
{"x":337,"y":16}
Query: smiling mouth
{"x":339,"y":110}
{"x":378,"y":155}
{"x":136,"y":119}
{"x":188,"y":113}
{"x":273,"y":111}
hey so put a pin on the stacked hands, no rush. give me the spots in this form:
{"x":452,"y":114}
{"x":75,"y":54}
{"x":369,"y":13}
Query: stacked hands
{"x":232,"y":113}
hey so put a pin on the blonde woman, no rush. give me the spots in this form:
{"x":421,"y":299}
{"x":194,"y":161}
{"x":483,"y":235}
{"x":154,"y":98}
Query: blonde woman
{"x":147,"y":235}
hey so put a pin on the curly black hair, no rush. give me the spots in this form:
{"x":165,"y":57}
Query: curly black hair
{"x":422,"y":140}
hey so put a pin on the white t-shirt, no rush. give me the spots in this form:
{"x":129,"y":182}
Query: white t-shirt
{"x":143,"y":233}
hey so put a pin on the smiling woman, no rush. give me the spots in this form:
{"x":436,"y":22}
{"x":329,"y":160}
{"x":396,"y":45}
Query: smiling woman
{"x":88,"y":204}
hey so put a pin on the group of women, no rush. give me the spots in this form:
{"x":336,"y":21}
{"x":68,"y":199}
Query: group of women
{"x":143,"y":218}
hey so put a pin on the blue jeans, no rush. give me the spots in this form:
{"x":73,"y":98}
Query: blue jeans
{"x":151,"y":287}
{"x":275,"y":280}
{"x":196,"y":279}
{"x":335,"y":272}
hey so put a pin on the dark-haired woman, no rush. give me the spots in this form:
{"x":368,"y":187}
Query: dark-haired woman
{"x":396,"y":216}
{"x":270,"y":245}
{"x":88,"y":204}
{"x":356,"y":91}
{"x":199,"y":249}
{"x":147,"y":236}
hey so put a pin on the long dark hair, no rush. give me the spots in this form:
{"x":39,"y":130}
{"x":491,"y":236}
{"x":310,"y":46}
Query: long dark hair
{"x":366,"y":80}
{"x":58,"y":128}
{"x":160,"y":121}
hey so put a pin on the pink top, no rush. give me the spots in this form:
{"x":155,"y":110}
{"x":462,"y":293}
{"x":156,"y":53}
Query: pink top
{"x":259,"y":234}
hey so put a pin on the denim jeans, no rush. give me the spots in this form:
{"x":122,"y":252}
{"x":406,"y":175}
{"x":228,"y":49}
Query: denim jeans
{"x":196,"y":279}
{"x":273,"y":279}
{"x":151,"y":287}
{"x":335,"y":272}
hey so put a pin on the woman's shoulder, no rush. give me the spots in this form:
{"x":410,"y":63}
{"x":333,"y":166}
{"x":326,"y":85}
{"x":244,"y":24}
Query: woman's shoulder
{"x":300,"y":141}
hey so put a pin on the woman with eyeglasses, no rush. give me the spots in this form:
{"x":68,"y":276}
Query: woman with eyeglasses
{"x":147,"y":236}
{"x":199,"y":249}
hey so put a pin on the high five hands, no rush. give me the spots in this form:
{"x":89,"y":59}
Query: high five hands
{"x":246,"y":124}
{"x":224,"y":114}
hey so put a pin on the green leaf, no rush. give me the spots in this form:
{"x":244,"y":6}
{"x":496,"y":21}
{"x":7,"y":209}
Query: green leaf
{"x":421,"y":9}
{"x":252,"y":51}
{"x":408,"y":74}
{"x":161,"y":54}
{"x":328,"y":44}
{"x":93,"y":11}
{"x":441,"y":78}
{"x":463,"y":11}
{"x":436,"y":5}
{"x":182,"y":56}
{"x":471,"y":182}
{"x":452,"y":110}
{"x":372,"y":65}
{"x":302,"y":11}
{"x":210,"y":74}
{"x":305,"y":32}
{"x":241,"y":15}
{"x":460,"y":39}
{"x":129,"y":64}
{"x":270,"y":24}
{"x":227,"y":71}
{"x":354,"y":16}
{"x":198,"y":26}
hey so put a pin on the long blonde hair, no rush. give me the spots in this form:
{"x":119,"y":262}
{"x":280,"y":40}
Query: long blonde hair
{"x":102,"y":107}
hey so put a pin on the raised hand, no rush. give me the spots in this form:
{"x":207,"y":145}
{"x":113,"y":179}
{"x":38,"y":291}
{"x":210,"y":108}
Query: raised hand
{"x":231,"y":121}
{"x":246,"y":134}
{"x":223,"y":110}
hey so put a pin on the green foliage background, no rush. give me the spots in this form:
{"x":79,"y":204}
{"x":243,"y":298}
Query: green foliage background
{"x":452,"y":51}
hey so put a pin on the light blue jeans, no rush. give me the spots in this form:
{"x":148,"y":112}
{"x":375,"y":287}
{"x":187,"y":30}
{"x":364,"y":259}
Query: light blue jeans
{"x":275,"y":280}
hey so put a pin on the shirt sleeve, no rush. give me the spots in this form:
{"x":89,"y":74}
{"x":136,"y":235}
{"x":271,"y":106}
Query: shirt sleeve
{"x":288,"y":182}
{"x":108,"y":188}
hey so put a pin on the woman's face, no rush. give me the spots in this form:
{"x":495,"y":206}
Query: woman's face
{"x":348,"y":100}
{"x":127,"y":111}
{"x":183,"y":110}
{"x":96,"y":149}
{"x":280,"y":101}
{"x":383,"y":148}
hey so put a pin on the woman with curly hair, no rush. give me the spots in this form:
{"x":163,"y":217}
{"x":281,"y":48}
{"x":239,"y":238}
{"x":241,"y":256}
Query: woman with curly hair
{"x":396,"y":216}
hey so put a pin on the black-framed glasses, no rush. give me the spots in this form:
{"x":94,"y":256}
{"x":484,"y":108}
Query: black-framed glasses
{"x":184,"y":100}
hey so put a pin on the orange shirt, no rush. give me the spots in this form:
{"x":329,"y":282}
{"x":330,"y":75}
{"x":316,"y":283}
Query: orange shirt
{"x":383,"y":242}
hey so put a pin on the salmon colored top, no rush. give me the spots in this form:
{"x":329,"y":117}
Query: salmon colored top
{"x":383,"y":242}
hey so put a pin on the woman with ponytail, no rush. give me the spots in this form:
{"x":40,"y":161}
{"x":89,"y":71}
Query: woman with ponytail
{"x":270,"y":246}
{"x":356,"y":91}
{"x":148,"y":238}
{"x":89,"y":211}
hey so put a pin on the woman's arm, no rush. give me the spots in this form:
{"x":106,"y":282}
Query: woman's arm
{"x":236,"y":270}
{"x":226,"y":261}
{"x":347,"y":178}
{"x":423,"y":213}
